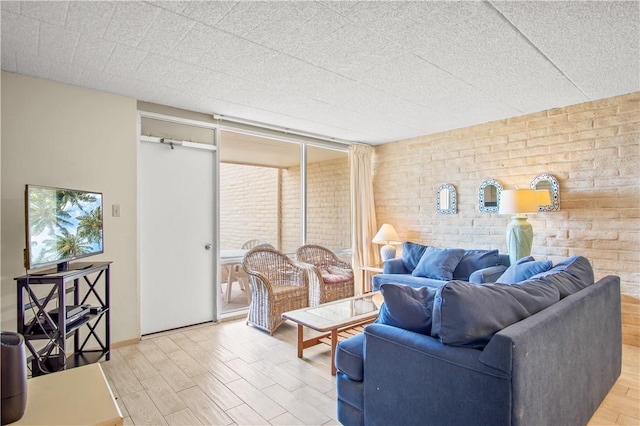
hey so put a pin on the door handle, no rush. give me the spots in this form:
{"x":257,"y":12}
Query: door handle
{"x":207,"y":246}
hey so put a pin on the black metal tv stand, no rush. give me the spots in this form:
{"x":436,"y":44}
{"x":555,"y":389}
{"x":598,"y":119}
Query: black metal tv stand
{"x":42,"y":293}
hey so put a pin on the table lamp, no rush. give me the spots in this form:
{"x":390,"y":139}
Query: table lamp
{"x":387,"y":235}
{"x":519,"y":202}
{"x":543,"y":197}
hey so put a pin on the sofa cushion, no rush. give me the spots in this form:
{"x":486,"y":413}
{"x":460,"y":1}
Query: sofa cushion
{"x":474,"y":260}
{"x":468,"y":315}
{"x":569,"y":275}
{"x":411,"y":254}
{"x":406,"y":279}
{"x":350,"y":357}
{"x":438,"y":263}
{"x":407,"y":307}
{"x":522,"y":271}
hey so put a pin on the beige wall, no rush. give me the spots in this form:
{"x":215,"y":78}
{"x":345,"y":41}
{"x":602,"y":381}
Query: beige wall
{"x":591,"y":148}
{"x":60,"y":135}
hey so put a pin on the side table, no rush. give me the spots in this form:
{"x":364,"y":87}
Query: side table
{"x":366,"y":284}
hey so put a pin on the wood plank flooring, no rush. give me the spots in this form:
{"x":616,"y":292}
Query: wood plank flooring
{"x":233,"y":374}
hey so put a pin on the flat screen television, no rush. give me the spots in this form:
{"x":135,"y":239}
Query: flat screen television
{"x":61,"y":225}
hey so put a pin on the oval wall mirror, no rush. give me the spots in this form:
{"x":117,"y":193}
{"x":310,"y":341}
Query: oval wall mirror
{"x":489,"y":195}
{"x":446,"y":199}
{"x":547,"y":182}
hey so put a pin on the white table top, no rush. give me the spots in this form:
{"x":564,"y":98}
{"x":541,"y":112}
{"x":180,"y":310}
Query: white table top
{"x":229,"y":257}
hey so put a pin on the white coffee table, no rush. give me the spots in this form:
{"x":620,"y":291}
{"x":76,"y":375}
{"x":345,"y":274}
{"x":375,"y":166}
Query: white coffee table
{"x":332,"y":318}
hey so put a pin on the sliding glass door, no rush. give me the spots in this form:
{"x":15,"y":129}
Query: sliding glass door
{"x":280,"y":192}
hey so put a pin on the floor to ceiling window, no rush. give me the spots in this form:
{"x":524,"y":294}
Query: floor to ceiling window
{"x":263,"y":197}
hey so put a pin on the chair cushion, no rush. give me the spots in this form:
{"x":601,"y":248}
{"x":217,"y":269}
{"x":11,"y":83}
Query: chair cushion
{"x":522,"y":271}
{"x":407,"y":307}
{"x":468,"y":315}
{"x":474,"y":260}
{"x":411,"y":254}
{"x":350,"y":357}
{"x":335,"y":274}
{"x":438,"y":263}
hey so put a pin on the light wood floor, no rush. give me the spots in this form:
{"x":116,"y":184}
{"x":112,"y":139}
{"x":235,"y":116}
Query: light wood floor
{"x":237,"y":300}
{"x":231,"y":373}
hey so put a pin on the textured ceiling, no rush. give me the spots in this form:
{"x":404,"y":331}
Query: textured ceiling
{"x":359,"y":71}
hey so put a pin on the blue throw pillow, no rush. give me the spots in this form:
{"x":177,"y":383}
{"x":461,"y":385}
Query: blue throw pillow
{"x":407,"y":307}
{"x":411,"y":254}
{"x":438,"y":264}
{"x":474,"y":260}
{"x":522,"y":271}
{"x":469,"y":315}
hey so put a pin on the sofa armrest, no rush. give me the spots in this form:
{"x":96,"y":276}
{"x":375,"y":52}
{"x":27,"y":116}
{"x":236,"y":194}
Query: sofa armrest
{"x":487,"y":275}
{"x":410,"y":377}
{"x":394,"y":266}
{"x":548,"y":355}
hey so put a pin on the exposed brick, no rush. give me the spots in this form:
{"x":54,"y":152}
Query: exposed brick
{"x":629,"y":128}
{"x":614,"y":120}
{"x":631,"y":105}
{"x":249,"y":205}
{"x":529,"y":117}
{"x":529,"y":134}
{"x":593,"y":114}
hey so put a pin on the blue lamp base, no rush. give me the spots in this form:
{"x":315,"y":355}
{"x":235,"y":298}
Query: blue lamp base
{"x":387,"y":252}
{"x":519,"y":238}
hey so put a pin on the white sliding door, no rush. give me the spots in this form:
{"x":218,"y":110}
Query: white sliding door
{"x":177,"y":255}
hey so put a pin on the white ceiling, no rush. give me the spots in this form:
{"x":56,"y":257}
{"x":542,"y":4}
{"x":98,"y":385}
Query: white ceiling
{"x":359,"y":71}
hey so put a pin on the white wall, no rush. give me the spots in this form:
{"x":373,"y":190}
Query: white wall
{"x":60,"y":135}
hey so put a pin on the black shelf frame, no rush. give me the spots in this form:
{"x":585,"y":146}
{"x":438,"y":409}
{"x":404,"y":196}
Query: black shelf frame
{"x":82,"y":281}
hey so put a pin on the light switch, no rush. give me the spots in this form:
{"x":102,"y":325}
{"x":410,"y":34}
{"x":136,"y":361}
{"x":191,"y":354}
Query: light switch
{"x":115,"y":210}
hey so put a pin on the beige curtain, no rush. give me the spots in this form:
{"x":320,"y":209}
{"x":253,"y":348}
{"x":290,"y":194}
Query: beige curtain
{"x":363,"y":213}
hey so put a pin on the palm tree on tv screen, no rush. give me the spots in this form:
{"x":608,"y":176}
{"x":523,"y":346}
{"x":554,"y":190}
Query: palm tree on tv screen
{"x":90,"y":226}
{"x":68,"y":245}
{"x":74,"y":198}
{"x":45,"y":212}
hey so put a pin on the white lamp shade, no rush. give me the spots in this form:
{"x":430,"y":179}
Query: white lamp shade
{"x":518,"y":201}
{"x":386,"y":235}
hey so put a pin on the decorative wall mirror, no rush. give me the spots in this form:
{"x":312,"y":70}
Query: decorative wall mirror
{"x":545,"y":181}
{"x":446,"y":199}
{"x":489,"y":195}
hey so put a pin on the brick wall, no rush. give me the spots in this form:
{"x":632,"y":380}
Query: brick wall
{"x":248,"y":205}
{"x":328,"y":205}
{"x":591,"y":148}
{"x":290,"y":219}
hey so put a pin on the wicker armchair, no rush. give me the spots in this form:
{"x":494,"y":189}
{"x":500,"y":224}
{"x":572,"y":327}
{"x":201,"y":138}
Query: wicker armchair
{"x":278,"y":284}
{"x":329,"y":278}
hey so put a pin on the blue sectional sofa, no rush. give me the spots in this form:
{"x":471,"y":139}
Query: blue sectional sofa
{"x":422,"y":265}
{"x":542,"y":351}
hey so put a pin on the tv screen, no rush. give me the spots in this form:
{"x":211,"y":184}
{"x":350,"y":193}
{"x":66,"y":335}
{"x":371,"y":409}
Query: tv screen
{"x":61,"y":225}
